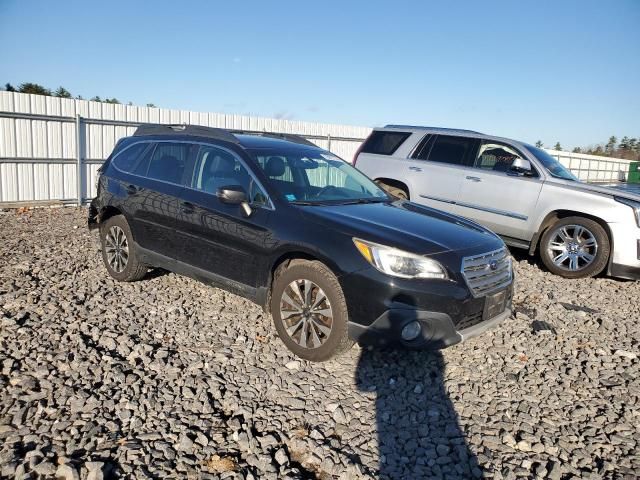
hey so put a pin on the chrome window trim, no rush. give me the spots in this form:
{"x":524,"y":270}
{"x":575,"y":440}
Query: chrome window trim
{"x":269,"y":206}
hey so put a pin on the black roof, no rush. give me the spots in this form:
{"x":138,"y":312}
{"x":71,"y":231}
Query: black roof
{"x":242,"y":137}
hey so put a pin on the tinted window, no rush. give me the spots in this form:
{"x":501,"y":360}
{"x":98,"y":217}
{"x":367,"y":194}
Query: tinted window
{"x":453,"y":150}
{"x":167,"y":162}
{"x":218,"y":168}
{"x":126,"y":160}
{"x":384,"y":143}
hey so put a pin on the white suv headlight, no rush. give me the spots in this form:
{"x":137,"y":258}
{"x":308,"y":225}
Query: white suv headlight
{"x":633,"y":204}
{"x":398,"y":263}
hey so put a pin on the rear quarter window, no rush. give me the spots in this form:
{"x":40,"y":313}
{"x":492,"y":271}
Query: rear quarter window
{"x":384,"y":143}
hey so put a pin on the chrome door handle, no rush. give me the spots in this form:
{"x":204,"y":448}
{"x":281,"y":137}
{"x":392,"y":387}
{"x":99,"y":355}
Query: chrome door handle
{"x":474,"y":179}
{"x":415,"y":169}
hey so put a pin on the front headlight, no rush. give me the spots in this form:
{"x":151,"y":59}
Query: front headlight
{"x":399,"y":263}
{"x":633,"y":204}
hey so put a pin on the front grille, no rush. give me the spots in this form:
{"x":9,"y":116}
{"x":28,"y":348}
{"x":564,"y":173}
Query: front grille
{"x":487,"y":272}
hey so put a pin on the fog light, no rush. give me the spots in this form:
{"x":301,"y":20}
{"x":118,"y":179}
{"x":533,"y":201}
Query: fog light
{"x":411,"y":331}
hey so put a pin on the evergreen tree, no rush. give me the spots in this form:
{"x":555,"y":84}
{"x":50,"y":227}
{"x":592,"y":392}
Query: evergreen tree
{"x":33,"y":88}
{"x":62,"y":93}
{"x":624,"y":143}
{"x":557,"y":146}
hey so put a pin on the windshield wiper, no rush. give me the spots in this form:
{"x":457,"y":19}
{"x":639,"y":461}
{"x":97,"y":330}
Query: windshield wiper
{"x":363,"y":200}
{"x":304,"y":202}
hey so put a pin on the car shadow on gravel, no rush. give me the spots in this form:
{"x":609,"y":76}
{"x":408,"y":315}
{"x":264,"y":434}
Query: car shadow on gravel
{"x":419,"y":435}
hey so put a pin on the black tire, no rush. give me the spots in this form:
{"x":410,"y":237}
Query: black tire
{"x":582,"y":270}
{"x":396,"y":192}
{"x":132,"y":269}
{"x":338,"y":340}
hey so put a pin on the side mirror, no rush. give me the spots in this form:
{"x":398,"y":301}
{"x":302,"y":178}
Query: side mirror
{"x":520,"y":165}
{"x":232,"y":194}
{"x":235,"y":195}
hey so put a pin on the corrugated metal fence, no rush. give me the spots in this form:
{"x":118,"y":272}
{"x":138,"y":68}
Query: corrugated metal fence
{"x":51,"y":148}
{"x":47,"y":144}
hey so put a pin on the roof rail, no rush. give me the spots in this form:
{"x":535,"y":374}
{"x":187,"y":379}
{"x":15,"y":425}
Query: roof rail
{"x":211,"y":132}
{"x":192,"y":130}
{"x":289,"y":137}
{"x":443,"y":129}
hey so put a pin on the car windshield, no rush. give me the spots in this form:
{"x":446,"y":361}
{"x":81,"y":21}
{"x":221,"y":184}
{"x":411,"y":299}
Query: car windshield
{"x":553,"y":166}
{"x":312,"y":176}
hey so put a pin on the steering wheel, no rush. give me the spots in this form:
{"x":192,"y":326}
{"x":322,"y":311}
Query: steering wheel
{"x":326,"y":189}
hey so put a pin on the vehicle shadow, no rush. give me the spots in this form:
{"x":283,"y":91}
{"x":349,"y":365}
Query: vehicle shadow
{"x":419,"y":435}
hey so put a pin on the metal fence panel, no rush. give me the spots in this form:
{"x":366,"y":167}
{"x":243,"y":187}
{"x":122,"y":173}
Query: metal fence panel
{"x":39,"y":143}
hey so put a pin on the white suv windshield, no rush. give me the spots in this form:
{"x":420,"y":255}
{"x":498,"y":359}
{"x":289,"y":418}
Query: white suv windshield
{"x":312,"y":176}
{"x":553,"y":166}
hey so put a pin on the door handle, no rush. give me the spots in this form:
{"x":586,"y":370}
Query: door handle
{"x":415,"y":169}
{"x":474,"y":179}
{"x":132,"y":189}
{"x":187,"y":207}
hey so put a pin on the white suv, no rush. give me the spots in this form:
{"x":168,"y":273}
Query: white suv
{"x":517,"y":190}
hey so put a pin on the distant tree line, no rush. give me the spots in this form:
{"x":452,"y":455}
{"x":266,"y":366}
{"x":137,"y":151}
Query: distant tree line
{"x":628,"y":148}
{"x":37,"y":89}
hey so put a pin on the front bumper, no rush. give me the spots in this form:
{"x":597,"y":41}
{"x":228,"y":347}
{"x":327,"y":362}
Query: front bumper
{"x":625,"y":260}
{"x":380,"y":307}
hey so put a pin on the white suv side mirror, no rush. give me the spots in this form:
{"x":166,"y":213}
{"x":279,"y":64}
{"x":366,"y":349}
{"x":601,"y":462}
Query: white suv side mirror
{"x":521,"y":165}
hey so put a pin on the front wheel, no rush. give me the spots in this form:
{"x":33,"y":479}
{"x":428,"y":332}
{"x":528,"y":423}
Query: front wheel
{"x":118,"y":250}
{"x":575,"y":247}
{"x":310,"y":312}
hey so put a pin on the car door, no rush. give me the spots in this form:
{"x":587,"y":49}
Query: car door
{"x":218,"y":240}
{"x":154,"y":198}
{"x":438,"y":169}
{"x":498,"y":197}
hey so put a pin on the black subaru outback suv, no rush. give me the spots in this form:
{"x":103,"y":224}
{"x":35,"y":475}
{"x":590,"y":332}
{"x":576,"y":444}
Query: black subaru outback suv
{"x":292,"y":227}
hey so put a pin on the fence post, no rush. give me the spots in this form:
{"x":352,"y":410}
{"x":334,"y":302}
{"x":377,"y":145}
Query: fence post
{"x":329,"y":141}
{"x":79,"y":159}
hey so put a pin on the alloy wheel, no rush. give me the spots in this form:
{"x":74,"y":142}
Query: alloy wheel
{"x":117,"y":249}
{"x":572,"y":247}
{"x":306,"y":313}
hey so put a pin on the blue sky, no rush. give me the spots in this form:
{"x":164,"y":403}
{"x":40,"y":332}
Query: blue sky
{"x":561,"y":70}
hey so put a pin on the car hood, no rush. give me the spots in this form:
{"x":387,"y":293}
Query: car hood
{"x":619,"y":190}
{"x":405,"y":225}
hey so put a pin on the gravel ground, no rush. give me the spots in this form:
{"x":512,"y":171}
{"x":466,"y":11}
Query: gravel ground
{"x":168,"y":378}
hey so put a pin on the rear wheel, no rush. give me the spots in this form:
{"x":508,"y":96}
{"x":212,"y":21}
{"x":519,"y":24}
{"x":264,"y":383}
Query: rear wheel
{"x":310,"y":312}
{"x":118,"y":250}
{"x":397,"y":192}
{"x":575,"y":247}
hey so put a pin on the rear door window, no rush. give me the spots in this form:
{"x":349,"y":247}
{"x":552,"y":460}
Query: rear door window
{"x":167,"y":163}
{"x":383,"y":142}
{"x":127,"y":159}
{"x":454,"y":150}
